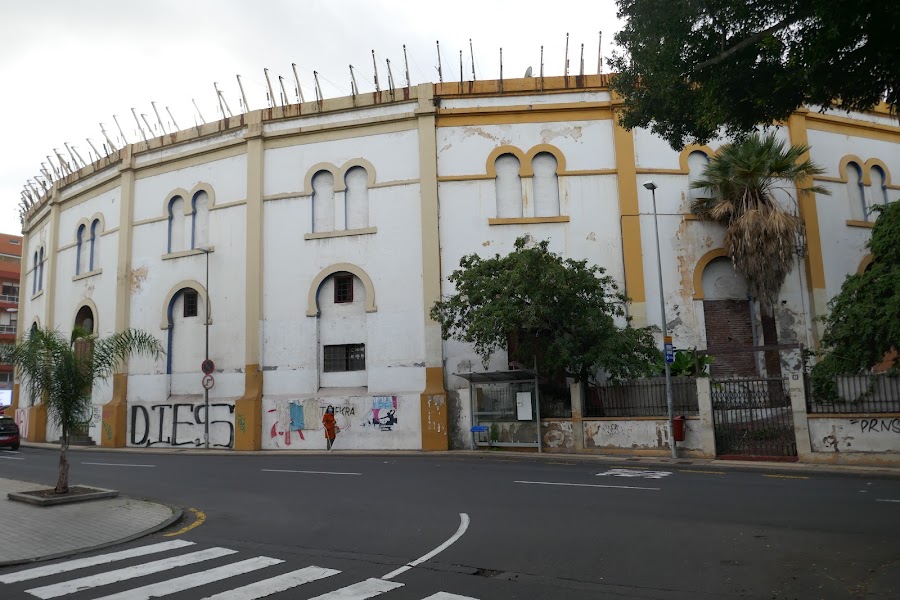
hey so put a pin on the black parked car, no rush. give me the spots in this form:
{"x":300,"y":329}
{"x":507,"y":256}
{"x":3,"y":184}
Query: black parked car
{"x":9,"y":433}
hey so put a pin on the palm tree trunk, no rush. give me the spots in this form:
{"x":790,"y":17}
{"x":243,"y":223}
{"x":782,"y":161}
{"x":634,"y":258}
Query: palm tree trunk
{"x":62,"y":482}
{"x":772,"y":357}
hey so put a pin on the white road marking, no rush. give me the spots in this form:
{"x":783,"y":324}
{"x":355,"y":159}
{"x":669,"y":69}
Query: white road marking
{"x":446,"y":596}
{"x":13,"y":457}
{"x":631,"y":473}
{"x":101,"y":559}
{"x":267,"y":587}
{"x":358,"y":591}
{"x":463,"y":525}
{"x":164,"y":588}
{"x":116,"y":464}
{"x":591,"y":485}
{"x":84,"y":583}
{"x":886,"y":500}
{"x":308,"y":472}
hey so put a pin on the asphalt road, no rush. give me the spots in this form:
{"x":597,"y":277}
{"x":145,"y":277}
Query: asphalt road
{"x":535,"y":530}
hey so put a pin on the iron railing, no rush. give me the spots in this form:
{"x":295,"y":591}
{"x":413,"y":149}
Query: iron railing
{"x":858,"y":394}
{"x":753,"y":417}
{"x":641,"y":398}
{"x":498,"y":402}
{"x":7,"y":328}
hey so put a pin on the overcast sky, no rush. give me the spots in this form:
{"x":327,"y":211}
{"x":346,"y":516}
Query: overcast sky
{"x":66,"y":66}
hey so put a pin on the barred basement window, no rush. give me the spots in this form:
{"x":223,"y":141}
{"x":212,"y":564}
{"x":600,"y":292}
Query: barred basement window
{"x":343,"y":289}
{"x":190,"y":304}
{"x":345,"y":357}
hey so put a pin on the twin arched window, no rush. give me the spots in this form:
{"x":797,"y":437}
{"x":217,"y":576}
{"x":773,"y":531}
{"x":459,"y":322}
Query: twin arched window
{"x":87,"y":255}
{"x":863,"y":196}
{"x":37,"y":281}
{"x":513,"y":194}
{"x":191,"y":230}
{"x":337,"y":210}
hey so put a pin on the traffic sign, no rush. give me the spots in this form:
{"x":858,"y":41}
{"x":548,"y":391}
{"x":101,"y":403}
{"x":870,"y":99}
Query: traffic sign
{"x":208,"y":367}
{"x":669,"y":349}
{"x":208,"y":382}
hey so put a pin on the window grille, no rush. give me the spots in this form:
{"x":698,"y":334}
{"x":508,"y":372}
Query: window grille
{"x":345,"y":357}
{"x":190,"y":304}
{"x":343,"y":289}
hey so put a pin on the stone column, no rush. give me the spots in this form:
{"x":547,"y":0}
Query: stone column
{"x":576,"y":391}
{"x":797,"y":391}
{"x":707,"y":423}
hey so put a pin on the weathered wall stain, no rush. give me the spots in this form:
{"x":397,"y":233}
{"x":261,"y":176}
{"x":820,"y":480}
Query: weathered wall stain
{"x":138,"y":277}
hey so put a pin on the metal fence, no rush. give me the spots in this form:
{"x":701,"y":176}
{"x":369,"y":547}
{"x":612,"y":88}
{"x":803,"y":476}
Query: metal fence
{"x":498,"y":402}
{"x":641,"y":398}
{"x":753,"y":417}
{"x":858,"y":394}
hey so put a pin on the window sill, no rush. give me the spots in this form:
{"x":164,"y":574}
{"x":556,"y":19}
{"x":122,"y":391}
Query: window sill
{"x":88,"y":274}
{"x":863,"y":224}
{"x":527,"y":220}
{"x":339,"y":233}
{"x":38,"y":295}
{"x":183,"y":253}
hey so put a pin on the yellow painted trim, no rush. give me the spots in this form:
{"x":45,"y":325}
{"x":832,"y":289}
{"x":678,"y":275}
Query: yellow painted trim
{"x":702,"y":472}
{"x":797,"y":128}
{"x":527,"y":220}
{"x":318,"y":168}
{"x":864,"y":263}
{"x":313,"y":297}
{"x":509,"y":116}
{"x":176,"y":193}
{"x":691,"y":217}
{"x":844,"y":126}
{"x":526,"y":85}
{"x":499,"y":151}
{"x":192,"y":158}
{"x":185,"y":284}
{"x":150,"y":221}
{"x":97,"y":216}
{"x":652,"y":171}
{"x":341,"y":131}
{"x":864,"y":224}
{"x":549,"y":149}
{"x":183,"y":253}
{"x":481,"y":177}
{"x":520,"y":108}
{"x":90,"y":304}
{"x":786,"y":476}
{"x":358,"y":162}
{"x":341,"y":233}
{"x":88,"y":274}
{"x":199,"y":518}
{"x":228,"y":205}
{"x":877,"y":162}
{"x":690,"y":149}
{"x":632,"y":250}
{"x":845,"y":161}
{"x":106,"y":184}
{"x":698,"y":270}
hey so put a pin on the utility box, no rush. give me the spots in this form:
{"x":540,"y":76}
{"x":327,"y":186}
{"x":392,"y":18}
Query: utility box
{"x":524,"y":410}
{"x":678,"y":428}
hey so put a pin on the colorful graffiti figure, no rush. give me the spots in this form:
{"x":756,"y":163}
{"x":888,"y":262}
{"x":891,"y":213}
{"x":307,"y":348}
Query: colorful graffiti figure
{"x":383,"y":414}
{"x":300,"y":415}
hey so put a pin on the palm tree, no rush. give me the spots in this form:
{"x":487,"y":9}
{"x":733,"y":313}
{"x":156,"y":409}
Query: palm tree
{"x":62,"y":373}
{"x":761,"y":237}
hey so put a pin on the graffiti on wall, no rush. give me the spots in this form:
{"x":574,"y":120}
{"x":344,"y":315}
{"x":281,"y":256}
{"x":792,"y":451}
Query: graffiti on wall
{"x":296,"y":416}
{"x":182,"y":424}
{"x":877,"y":425}
{"x":383,"y":414}
{"x":22,"y":422}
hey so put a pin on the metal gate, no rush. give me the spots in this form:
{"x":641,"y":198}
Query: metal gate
{"x":753,"y":418}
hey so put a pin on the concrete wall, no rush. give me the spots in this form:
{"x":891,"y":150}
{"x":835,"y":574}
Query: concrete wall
{"x":855,"y":434}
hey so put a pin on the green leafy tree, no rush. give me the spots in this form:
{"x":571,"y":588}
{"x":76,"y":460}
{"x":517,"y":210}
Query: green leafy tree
{"x":563,"y":312}
{"x":862,"y":327}
{"x":688,"y":68}
{"x":62,"y":372}
{"x":761,"y":237}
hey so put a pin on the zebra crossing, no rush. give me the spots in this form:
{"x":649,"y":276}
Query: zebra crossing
{"x":155,"y":561}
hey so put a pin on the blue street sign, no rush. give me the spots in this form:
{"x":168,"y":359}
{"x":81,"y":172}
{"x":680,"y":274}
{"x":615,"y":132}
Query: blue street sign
{"x":670,"y":353}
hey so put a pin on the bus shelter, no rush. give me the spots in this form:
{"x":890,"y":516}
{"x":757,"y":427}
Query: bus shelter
{"x":505,"y":408}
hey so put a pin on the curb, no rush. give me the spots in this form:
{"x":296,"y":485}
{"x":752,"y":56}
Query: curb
{"x":177,"y":514}
{"x":832,"y":470}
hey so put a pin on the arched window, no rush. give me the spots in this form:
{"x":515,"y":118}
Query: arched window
{"x":79,"y":250}
{"x":342,"y":331}
{"x":176,"y":224}
{"x":856,"y":192}
{"x":85,"y":319}
{"x":34,"y":279}
{"x":697,"y":162}
{"x":95,"y":245}
{"x":508,"y":186}
{"x":357,"y":198}
{"x":41,"y":269}
{"x":323,"y":201}
{"x":546,"y":185}
{"x":200,"y":219}
{"x":879,"y":186}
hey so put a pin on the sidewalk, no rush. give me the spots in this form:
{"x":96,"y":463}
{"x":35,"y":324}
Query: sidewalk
{"x":29,"y":533}
{"x":881,"y":471}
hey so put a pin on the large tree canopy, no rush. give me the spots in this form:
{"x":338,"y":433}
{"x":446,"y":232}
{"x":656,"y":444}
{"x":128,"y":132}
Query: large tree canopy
{"x":562,"y":311}
{"x":862,"y":326}
{"x":691,"y":67}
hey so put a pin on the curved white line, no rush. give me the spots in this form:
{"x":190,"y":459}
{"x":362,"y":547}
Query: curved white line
{"x":463,"y":526}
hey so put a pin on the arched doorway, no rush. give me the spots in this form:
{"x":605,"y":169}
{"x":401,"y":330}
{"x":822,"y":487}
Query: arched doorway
{"x":728,"y":316}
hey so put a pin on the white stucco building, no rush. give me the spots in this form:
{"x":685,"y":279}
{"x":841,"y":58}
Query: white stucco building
{"x":330,"y":228}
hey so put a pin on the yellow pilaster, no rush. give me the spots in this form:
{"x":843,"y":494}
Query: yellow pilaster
{"x":632,"y":253}
{"x":433,"y":399}
{"x":248,"y":409}
{"x":114,"y":425}
{"x":814,"y":263}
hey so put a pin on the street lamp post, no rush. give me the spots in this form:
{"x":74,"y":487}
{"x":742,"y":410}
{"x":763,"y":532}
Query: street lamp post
{"x":206,"y":250}
{"x":662,"y":308}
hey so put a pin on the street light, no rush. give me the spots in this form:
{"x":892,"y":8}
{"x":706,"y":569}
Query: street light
{"x":662,"y":308}
{"x":206,"y":250}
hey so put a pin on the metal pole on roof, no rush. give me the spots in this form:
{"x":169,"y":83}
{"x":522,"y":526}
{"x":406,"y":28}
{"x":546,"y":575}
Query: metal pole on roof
{"x":537,"y":405}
